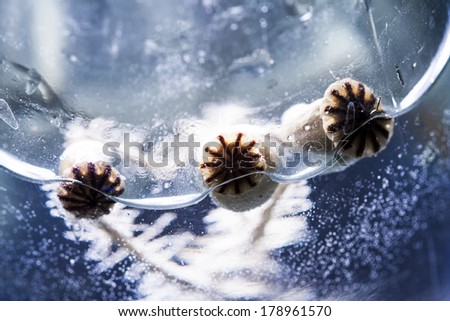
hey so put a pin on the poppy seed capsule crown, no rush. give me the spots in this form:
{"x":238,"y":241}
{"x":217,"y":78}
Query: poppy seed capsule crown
{"x":354,"y":120}
{"x":236,"y":157}
{"x":84,"y":202}
{"x":84,"y":161}
{"x":349,"y":120}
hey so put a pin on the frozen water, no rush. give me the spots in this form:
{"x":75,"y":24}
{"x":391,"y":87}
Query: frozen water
{"x":379,"y":230}
{"x":213,"y":52}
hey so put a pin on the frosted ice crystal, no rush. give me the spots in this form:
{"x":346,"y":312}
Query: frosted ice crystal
{"x":232,"y":260}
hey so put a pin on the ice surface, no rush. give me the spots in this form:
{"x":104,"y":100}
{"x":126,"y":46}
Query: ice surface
{"x":378,"y":230}
{"x":143,"y":77}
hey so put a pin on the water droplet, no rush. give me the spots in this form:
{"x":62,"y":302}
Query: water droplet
{"x":414,"y":65}
{"x":73,"y":58}
{"x":264,"y":9}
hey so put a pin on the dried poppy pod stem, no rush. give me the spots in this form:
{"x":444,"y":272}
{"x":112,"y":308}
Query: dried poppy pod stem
{"x":237,"y":156}
{"x":349,"y":120}
{"x":84,"y":161}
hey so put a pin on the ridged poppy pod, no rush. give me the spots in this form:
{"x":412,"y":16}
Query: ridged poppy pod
{"x":354,"y":120}
{"x":349,"y":121}
{"x":85,"y":162}
{"x":239,"y":159}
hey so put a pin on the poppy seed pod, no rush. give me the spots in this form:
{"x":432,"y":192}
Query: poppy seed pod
{"x":84,"y":161}
{"x":349,"y":121}
{"x":236,"y":157}
{"x":354,"y":120}
{"x":84,"y":202}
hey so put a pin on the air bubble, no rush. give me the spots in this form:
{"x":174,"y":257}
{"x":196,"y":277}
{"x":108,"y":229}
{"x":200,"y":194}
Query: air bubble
{"x":385,"y":183}
{"x":263,"y":23}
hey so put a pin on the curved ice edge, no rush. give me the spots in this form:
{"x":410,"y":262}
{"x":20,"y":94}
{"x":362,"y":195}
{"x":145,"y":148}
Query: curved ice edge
{"x":36,"y":174}
{"x":438,"y":63}
{"x":24,"y":170}
{"x":41,"y":175}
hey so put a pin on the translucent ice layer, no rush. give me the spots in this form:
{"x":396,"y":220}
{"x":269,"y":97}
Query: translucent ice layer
{"x":141,"y":88}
